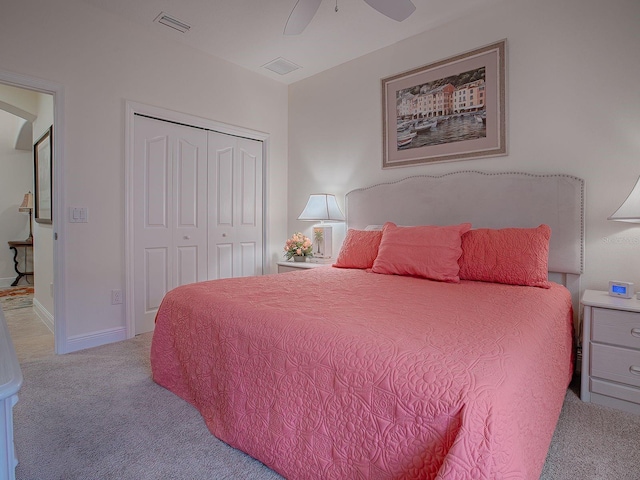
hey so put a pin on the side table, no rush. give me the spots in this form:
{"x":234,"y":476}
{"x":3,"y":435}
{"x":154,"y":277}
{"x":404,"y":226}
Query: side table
{"x":611,"y":351}
{"x":15,"y":246}
{"x":284,"y":267}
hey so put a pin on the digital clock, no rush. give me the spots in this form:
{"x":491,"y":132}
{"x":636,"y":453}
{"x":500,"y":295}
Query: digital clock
{"x":621,"y":289}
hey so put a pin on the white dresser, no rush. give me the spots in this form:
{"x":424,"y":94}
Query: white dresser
{"x":10,"y":382}
{"x":611,"y":351}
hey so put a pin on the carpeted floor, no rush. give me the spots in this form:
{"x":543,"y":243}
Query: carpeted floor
{"x":97,"y":414}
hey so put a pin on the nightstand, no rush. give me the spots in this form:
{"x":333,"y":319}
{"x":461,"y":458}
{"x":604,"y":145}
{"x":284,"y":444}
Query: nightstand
{"x":611,"y":351}
{"x":293,"y":266}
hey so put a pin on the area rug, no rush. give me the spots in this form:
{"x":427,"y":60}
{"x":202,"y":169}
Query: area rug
{"x":16,"y":297}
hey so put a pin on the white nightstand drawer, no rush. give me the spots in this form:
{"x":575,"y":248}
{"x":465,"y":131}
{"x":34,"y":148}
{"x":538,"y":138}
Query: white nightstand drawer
{"x":616,"y":327}
{"x":623,"y":392}
{"x":615,"y":363}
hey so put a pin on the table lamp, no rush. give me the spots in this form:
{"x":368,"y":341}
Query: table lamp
{"x":629,"y":211}
{"x":27,"y":206}
{"x":322,"y":207}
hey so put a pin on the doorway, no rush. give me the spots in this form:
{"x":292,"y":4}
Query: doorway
{"x":50,"y":302}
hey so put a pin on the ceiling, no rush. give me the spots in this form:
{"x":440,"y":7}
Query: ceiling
{"x":249,"y":33}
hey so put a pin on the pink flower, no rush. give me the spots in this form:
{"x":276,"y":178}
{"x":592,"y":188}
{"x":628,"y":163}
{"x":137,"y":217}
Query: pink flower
{"x":298,"y":244}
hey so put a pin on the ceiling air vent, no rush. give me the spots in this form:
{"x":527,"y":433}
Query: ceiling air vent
{"x":172,"y":22}
{"x":281,"y":66}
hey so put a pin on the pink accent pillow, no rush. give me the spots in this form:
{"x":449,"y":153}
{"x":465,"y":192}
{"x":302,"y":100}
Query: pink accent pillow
{"x":426,"y":251}
{"x":359,"y":249}
{"x":515,"y":256}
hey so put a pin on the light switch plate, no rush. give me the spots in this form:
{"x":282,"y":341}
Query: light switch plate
{"x":78,"y":215}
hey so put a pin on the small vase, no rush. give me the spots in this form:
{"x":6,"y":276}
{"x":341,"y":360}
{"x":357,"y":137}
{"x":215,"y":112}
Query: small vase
{"x":299,"y":258}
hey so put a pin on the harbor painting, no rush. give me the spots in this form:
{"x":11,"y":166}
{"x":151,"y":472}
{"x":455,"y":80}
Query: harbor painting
{"x":449,"y":110}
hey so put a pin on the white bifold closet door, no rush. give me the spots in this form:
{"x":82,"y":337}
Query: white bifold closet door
{"x":170,"y":212}
{"x":197,"y":210}
{"x":235,"y":206}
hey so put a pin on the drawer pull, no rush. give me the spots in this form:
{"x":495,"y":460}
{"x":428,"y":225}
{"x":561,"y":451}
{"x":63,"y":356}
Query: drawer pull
{"x":635,"y":370}
{"x":635,"y":332}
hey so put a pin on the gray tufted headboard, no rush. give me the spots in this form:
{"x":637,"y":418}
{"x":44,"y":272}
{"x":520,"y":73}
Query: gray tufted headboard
{"x":486,"y":200}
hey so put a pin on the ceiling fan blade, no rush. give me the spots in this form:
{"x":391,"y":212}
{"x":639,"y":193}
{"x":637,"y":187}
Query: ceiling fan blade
{"x":396,"y":9}
{"x":300,"y":16}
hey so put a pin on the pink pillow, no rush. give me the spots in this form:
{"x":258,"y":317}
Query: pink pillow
{"x":359,"y":249}
{"x":427,"y":251}
{"x":515,"y":256}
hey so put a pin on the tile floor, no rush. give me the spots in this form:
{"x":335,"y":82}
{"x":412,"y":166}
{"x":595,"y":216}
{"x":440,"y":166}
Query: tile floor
{"x":31,"y":338}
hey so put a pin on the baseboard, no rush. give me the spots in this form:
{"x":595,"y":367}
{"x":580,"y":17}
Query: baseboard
{"x":95,"y":339}
{"x":44,"y":315}
{"x":6,"y":282}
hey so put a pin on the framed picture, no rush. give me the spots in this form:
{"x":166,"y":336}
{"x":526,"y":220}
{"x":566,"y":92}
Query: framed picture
{"x":43,"y":167}
{"x":453,"y":109}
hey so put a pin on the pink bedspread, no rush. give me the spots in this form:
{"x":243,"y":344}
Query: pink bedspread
{"x":345,"y":374}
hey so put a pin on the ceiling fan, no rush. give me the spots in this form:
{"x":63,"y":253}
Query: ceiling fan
{"x":304,"y":11}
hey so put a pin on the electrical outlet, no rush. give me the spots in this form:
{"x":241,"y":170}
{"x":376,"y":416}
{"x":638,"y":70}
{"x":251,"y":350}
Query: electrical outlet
{"x":116,"y":297}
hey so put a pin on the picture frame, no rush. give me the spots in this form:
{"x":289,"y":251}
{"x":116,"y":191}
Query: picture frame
{"x":453,"y":109}
{"x":43,"y":168}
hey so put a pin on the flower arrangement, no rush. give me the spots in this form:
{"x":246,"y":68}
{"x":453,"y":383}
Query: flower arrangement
{"x":298,"y":246}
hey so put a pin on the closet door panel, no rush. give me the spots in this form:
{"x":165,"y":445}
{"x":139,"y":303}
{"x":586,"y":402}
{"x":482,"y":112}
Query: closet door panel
{"x":224,"y":260}
{"x":248,"y":258}
{"x":190,"y":229}
{"x":235,"y":206}
{"x":169,"y":213}
{"x":187,"y":265}
{"x":187,"y":182}
{"x":156,"y":277}
{"x":249,"y":229}
{"x":249,"y":195}
{"x":223,"y":186}
{"x":156,"y":189}
{"x":152,"y":220}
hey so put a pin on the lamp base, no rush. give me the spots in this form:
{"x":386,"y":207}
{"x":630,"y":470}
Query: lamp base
{"x":322,"y":241}
{"x":30,"y":237}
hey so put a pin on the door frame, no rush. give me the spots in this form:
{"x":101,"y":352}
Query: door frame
{"x":135,"y":108}
{"x":59,"y":285}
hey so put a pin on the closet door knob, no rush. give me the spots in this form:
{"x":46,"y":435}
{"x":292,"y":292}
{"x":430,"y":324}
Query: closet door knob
{"x":187,"y":237}
{"x":224,"y":234}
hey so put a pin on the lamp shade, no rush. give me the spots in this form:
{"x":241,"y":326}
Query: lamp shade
{"x":27,"y":203}
{"x":322,"y":207}
{"x":629,"y":211}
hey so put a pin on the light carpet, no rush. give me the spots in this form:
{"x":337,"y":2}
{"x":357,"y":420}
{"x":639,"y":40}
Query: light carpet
{"x":97,"y":414}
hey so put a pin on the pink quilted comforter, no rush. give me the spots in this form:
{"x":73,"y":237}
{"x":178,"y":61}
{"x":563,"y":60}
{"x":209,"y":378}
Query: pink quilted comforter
{"x":345,"y":374}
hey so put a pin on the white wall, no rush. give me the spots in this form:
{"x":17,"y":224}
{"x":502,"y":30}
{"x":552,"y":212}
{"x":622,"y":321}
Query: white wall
{"x":16,"y":178}
{"x":101,"y":62}
{"x":573,"y":107}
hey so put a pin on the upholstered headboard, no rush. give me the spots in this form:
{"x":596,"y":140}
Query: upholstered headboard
{"x":487,"y":200}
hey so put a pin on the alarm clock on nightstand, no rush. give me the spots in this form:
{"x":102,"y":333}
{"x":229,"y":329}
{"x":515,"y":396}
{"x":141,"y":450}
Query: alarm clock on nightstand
{"x":621,"y":289}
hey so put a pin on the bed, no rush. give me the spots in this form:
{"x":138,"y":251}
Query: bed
{"x":335,"y":373}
